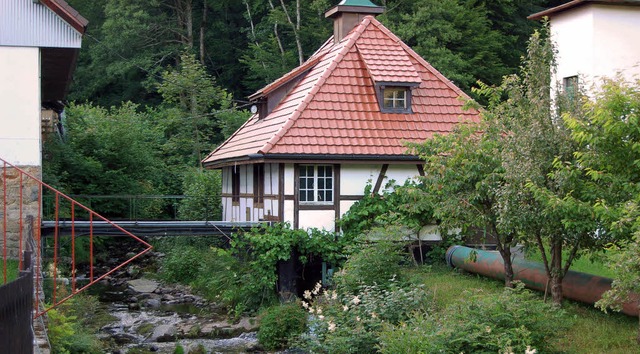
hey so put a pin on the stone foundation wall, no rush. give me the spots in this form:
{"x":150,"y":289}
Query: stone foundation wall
{"x":12,"y":206}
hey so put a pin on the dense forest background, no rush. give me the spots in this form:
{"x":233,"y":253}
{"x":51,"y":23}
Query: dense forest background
{"x":160,"y":83}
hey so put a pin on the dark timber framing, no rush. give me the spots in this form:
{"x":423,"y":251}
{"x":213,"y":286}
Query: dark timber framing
{"x":383,"y":173}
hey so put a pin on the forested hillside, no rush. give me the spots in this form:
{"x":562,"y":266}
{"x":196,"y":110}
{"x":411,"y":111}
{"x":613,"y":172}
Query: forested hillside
{"x":173,"y":76}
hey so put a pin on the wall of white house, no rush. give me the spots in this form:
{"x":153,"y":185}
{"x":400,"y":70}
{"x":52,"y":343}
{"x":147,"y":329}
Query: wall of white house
{"x":20,"y":102}
{"x":597,"y":41}
{"x":353,"y":180}
{"x":246,"y":209}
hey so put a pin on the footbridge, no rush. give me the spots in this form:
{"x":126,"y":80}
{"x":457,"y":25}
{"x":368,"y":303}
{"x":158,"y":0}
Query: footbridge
{"x":144,"y":228}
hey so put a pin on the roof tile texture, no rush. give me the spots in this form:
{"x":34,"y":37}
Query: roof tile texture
{"x":334,"y":109}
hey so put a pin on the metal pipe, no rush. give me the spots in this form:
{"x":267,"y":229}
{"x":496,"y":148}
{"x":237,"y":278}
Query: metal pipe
{"x":577,"y":286}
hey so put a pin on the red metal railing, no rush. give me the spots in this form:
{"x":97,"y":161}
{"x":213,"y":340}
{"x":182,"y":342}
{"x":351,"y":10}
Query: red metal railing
{"x":22,"y":195}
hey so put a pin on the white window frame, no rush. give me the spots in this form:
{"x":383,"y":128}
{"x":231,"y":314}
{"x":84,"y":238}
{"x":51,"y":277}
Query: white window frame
{"x":319,"y":194}
{"x":394,"y":101}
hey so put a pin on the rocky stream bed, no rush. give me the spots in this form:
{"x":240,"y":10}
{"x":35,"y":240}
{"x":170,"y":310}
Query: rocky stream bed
{"x":151,"y":317}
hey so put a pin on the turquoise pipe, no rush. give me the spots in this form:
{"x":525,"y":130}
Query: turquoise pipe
{"x":577,"y":286}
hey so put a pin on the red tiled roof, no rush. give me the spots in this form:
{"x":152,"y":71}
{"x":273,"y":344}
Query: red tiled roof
{"x":333,"y":109}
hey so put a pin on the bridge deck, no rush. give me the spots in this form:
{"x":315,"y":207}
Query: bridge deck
{"x":146,"y":228}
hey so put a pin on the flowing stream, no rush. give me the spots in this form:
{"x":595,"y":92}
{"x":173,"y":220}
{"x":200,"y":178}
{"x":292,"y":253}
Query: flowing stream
{"x":153,"y":318}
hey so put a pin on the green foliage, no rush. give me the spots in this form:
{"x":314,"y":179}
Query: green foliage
{"x":72,"y":326}
{"x":202,"y":191}
{"x":514,"y":322}
{"x":393,"y":205}
{"x":280,"y":324}
{"x":376,"y":257}
{"x":625,"y":261}
{"x":106,"y":152}
{"x":350,"y":322}
{"x":243,"y":277}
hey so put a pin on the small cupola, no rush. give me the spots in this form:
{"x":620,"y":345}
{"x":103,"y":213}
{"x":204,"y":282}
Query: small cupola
{"x":348,"y":13}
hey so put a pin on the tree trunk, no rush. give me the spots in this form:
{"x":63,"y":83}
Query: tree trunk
{"x":505,"y":252}
{"x":556,"y":272}
{"x":203,"y":26}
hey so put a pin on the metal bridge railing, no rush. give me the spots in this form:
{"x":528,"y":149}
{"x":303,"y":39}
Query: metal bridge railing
{"x":21,"y":208}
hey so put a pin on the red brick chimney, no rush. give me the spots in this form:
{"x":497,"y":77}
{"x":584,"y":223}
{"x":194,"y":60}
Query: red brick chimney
{"x":348,"y":13}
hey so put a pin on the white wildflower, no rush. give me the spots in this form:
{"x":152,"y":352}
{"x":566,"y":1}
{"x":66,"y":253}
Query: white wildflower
{"x":332,"y":326}
{"x":530,"y":350}
{"x":334,"y":295}
{"x":321,"y":317}
{"x":319,"y":311}
{"x":356,"y":300}
{"x":317,"y":288}
{"x":345,"y":308}
{"x":488,"y":329}
{"x":305,"y":305}
{"x":307,"y":294}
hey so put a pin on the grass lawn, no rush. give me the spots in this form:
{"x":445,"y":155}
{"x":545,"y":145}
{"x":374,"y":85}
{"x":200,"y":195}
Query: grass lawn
{"x":12,"y":270}
{"x":591,"y":331}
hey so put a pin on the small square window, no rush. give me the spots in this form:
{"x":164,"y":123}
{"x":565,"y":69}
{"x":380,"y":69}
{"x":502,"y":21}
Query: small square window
{"x":394,"y":98}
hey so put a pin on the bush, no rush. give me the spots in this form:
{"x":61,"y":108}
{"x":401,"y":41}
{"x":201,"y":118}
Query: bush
{"x":514,"y":322}
{"x":70,"y":330}
{"x":347,"y":322}
{"x":280,"y":324}
{"x":378,"y":257}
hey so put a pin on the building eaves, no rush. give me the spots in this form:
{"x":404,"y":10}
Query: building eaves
{"x":576,"y":3}
{"x":67,"y":13}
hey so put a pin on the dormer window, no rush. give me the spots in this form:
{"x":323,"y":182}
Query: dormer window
{"x":394,"y":98}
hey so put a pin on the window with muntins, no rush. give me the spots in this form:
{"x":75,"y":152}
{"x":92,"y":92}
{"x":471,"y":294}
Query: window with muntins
{"x":395,"y":98}
{"x":316,"y":184}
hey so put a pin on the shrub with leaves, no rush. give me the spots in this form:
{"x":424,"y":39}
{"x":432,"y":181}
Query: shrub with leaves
{"x":350,"y":322}
{"x":515,"y":322}
{"x":280,"y":324}
{"x":395,"y":204}
{"x":375,"y":257}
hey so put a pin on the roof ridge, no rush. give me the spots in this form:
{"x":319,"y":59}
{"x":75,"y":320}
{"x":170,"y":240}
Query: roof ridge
{"x":352,"y":38}
{"x":420,"y":59}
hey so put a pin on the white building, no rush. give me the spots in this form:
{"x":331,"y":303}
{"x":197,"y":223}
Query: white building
{"x":39,"y":44}
{"x":595,"y":40}
{"x":323,"y":131}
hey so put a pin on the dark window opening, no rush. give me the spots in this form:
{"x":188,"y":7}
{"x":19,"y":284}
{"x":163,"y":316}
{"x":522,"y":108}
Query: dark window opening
{"x":258,"y":183}
{"x":235,"y":184}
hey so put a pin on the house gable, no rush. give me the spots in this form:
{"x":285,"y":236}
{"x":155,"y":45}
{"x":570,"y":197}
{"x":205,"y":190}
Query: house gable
{"x":50,"y":23}
{"x":333,"y":111}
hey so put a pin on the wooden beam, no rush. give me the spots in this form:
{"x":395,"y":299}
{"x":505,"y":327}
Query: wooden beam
{"x":383,"y":173}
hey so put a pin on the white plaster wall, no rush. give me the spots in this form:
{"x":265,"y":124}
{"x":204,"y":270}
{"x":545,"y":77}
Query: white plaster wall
{"x":353,"y":178}
{"x":617,"y":41}
{"x":597,"y":41}
{"x":20,"y":102}
{"x":288,"y":179}
{"x":320,"y":219}
{"x":400,"y":173}
{"x":288,"y":212}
